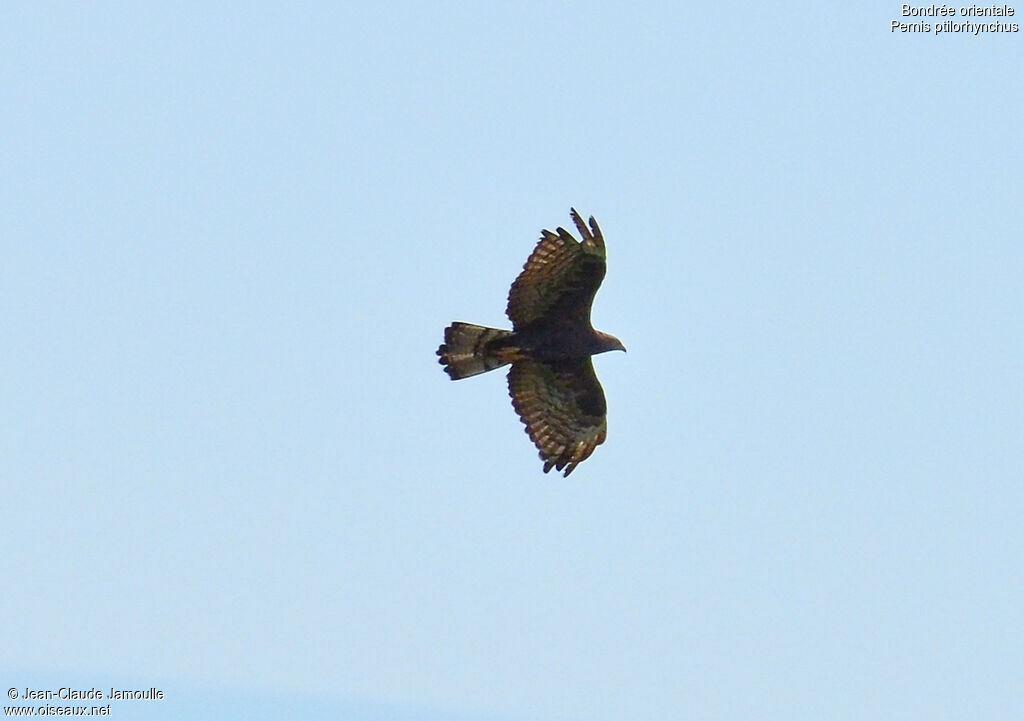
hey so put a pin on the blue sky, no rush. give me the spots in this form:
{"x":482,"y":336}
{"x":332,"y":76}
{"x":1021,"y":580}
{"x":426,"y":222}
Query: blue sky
{"x":232,"y":468}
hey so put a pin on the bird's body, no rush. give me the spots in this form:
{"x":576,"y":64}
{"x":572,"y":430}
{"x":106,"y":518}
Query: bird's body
{"x":552,"y":382}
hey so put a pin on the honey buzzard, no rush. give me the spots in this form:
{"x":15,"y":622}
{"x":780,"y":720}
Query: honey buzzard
{"x":552,"y":382}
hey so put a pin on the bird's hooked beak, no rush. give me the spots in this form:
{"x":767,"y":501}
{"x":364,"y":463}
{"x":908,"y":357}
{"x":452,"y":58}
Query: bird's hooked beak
{"x":612,"y":343}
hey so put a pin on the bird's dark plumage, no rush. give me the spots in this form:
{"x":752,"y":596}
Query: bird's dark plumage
{"x":552,"y":382}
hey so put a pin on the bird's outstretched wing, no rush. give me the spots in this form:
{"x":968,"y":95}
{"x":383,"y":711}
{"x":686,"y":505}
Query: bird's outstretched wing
{"x":560,"y":277}
{"x":563,"y":407}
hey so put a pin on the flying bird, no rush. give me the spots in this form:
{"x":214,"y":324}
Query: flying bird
{"x":552,"y":382}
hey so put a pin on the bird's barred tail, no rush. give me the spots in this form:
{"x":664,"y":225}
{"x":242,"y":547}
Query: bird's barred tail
{"x":471,"y":349}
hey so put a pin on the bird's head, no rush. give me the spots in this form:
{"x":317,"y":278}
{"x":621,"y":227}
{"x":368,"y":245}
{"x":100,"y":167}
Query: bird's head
{"x":609,"y":342}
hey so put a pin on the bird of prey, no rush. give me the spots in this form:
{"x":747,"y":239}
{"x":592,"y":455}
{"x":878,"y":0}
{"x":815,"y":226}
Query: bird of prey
{"x":552,"y":382}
